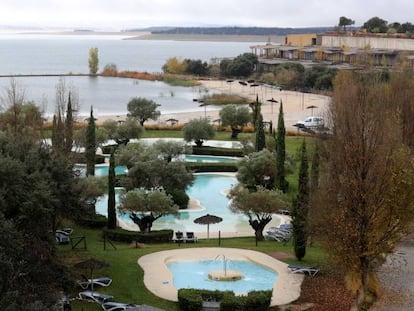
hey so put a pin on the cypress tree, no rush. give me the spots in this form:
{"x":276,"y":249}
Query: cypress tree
{"x":90,"y":146}
{"x":314,"y":179}
{"x":260,"y":134}
{"x":59,"y":135}
{"x":280,"y":181}
{"x":111,"y":192}
{"x":69,"y":127}
{"x":54,"y":129}
{"x":301,"y":207}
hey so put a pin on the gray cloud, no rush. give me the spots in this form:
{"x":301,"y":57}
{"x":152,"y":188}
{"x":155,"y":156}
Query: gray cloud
{"x":138,"y":13}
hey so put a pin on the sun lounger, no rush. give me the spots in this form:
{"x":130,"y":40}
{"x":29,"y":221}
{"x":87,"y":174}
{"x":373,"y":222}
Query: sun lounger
{"x":179,"y":237}
{"x":92,"y":296}
{"x":62,"y":237}
{"x":190,"y":237}
{"x":278,"y":236}
{"x":101,"y":281}
{"x":117,"y":306}
{"x":312,"y":271}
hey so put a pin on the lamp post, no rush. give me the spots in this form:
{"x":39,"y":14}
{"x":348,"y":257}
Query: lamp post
{"x":205,"y":108}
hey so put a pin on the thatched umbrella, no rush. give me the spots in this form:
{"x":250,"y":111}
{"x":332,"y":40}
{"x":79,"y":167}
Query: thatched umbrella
{"x":91,"y":264}
{"x":207,"y":220}
{"x":312,"y":107}
{"x":172,"y":120}
{"x":272,"y":101}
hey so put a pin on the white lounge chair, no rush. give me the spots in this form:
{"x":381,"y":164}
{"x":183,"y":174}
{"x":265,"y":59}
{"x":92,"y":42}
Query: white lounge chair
{"x":92,"y":296}
{"x":312,"y":271}
{"x":190,"y":237}
{"x":103,"y":281}
{"x":179,"y":237}
{"x":62,"y":237}
{"x":278,"y":236}
{"x":117,"y":306}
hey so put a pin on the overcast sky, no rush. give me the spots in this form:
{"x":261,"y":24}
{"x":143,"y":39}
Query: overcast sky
{"x":121,"y":14}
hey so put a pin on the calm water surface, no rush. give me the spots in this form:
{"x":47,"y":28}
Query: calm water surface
{"x":54,"y":54}
{"x":40,"y":54}
{"x":194,"y":274}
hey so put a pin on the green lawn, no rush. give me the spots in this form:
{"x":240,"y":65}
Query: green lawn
{"x":127,"y":276}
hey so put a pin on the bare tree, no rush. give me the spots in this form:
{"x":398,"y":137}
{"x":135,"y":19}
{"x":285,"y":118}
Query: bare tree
{"x":13,"y":101}
{"x":366,"y":202}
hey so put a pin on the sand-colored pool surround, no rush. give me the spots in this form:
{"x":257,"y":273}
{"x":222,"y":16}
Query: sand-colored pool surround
{"x":159,"y":279}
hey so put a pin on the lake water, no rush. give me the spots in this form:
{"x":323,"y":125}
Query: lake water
{"x":40,"y":54}
{"x":62,"y":54}
{"x":107,"y":95}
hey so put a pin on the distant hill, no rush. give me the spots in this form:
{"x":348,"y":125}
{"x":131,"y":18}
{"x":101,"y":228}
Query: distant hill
{"x":258,"y":31}
{"x":149,"y":29}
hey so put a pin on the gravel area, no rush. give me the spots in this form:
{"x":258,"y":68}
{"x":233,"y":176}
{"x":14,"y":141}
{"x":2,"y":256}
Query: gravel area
{"x":397,"y":280}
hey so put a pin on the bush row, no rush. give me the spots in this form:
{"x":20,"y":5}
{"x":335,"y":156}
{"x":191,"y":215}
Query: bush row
{"x":211,"y":167}
{"x":121,"y":235}
{"x":215,"y":151}
{"x":94,"y":222}
{"x":190,"y":299}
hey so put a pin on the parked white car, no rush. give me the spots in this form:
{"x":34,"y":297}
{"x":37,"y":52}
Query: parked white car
{"x":312,"y":122}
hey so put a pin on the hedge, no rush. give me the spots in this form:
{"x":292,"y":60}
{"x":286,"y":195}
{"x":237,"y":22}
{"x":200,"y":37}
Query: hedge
{"x":215,"y":151}
{"x":190,"y":299}
{"x":211,"y":167}
{"x":97,"y":222}
{"x":121,"y":235}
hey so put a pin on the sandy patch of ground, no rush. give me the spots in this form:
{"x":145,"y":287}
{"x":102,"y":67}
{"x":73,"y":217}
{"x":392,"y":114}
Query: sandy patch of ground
{"x":294,"y":104}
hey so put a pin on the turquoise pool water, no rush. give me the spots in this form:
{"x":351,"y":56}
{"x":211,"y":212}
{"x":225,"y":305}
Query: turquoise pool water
{"x":208,"y":189}
{"x":194,"y":274}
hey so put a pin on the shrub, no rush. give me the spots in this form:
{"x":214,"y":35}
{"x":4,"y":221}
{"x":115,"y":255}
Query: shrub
{"x":190,"y":299}
{"x":96,"y":222}
{"x":121,"y":235}
{"x":180,"y":197}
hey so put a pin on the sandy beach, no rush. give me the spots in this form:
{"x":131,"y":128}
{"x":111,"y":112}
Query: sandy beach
{"x":295,"y":104}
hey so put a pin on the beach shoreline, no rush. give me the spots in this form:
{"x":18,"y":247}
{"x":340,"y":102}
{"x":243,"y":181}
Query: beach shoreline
{"x":295,"y":105}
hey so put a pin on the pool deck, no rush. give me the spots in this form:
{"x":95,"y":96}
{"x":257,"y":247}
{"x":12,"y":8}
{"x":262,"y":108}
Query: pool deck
{"x":159,"y":279}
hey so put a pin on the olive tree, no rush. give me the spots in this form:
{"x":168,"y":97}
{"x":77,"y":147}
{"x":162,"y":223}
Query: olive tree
{"x":143,"y":109}
{"x":257,"y":205}
{"x":235,"y":117}
{"x":257,"y":169}
{"x":145,"y":207}
{"x":198,"y":130}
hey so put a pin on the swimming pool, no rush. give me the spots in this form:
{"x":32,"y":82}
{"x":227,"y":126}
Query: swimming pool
{"x":194,"y":274}
{"x":209,"y":189}
{"x":160,"y":281}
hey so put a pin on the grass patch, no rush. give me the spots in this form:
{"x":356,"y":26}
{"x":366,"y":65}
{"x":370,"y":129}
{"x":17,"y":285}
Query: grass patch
{"x":179,"y":81}
{"x":127,"y":275}
{"x":225,"y":99}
